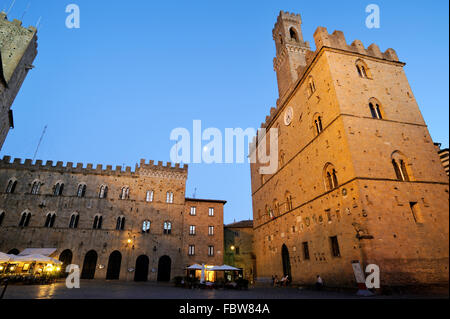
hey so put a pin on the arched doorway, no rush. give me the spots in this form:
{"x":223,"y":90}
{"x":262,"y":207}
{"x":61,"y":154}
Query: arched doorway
{"x":66,"y":258}
{"x":89,"y":265}
{"x":164,"y":266}
{"x":141,"y":271}
{"x":13,"y":252}
{"x":113,"y":271}
{"x":286,"y":262}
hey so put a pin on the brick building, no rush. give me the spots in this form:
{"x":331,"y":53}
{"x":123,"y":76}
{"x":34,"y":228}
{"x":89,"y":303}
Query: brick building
{"x":18,"y":49}
{"x":238,"y":240}
{"x":358,"y":178}
{"x":113,"y":223}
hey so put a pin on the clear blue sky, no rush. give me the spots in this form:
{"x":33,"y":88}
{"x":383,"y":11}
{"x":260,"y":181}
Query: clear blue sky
{"x":112,"y":91}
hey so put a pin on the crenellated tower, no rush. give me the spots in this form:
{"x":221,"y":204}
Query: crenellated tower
{"x":291,"y":49}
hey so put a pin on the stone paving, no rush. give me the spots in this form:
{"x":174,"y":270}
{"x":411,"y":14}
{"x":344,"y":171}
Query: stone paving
{"x":130,"y":290}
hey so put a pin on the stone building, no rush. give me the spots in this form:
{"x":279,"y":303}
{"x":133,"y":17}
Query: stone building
{"x":18,"y":49}
{"x":444,"y":156}
{"x":238,"y":240}
{"x":113,"y":223}
{"x":358,"y":177}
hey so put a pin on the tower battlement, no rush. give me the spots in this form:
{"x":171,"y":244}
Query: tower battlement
{"x":80,"y":168}
{"x":15,"y":40}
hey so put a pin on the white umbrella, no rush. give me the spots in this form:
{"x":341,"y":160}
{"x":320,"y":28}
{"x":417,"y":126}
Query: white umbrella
{"x":225,"y":268}
{"x":35,"y":258}
{"x":195,"y":267}
{"x":4,"y":257}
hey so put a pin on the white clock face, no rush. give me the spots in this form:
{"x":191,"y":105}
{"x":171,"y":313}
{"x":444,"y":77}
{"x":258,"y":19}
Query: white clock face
{"x":288,"y":115}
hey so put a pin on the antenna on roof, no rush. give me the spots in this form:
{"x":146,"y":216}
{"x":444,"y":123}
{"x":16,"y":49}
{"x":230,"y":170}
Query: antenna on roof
{"x":40,"y":140}
{"x":195,"y":193}
{"x":26,"y":9}
{"x":12,"y":5}
{"x":38,"y":23}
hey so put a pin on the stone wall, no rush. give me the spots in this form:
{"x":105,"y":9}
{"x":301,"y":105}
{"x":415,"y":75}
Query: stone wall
{"x":131,"y":242}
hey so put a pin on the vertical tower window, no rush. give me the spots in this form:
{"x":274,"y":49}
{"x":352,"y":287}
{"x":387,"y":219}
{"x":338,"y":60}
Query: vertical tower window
{"x":124,"y":193}
{"x":211,"y":230}
{"x":191,"y":250}
{"x":335,"y":246}
{"x":11,"y":186}
{"x":331,"y":179}
{"x":167,"y":228}
{"x":210,"y":251}
{"x":103,"y":192}
{"x":81,"y":190}
{"x":74,"y":221}
{"x":25,"y":219}
{"x":50,"y":220}
{"x":35,"y":188}
{"x":120,"y":223}
{"x":362,"y":69}
{"x":306,"y":251}
{"x":375,"y":109}
{"x":192,"y":230}
{"x":146,"y":226}
{"x":293,"y":34}
{"x":318,"y":124}
{"x":98,"y":221}
{"x":169,"y":197}
{"x":193,"y":211}
{"x":149,"y":196}
{"x":400,"y":167}
{"x":2,"y":217}
{"x":58,"y":189}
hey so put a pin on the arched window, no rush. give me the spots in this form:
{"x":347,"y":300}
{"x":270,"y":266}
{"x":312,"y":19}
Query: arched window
{"x":50,"y":220}
{"x":120,"y":224}
{"x":375,"y":109}
{"x":146,"y":226}
{"x":35,"y":188}
{"x":293,"y":34}
{"x":318,"y":124}
{"x":330,"y":177}
{"x":103,"y":191}
{"x":362,"y":69}
{"x":74,"y":219}
{"x":167,"y":228}
{"x":149,"y":196}
{"x":2,"y":217}
{"x":81,"y":190}
{"x":311,"y":86}
{"x":58,"y":189}
{"x":169,"y":197}
{"x":402,"y":172}
{"x":25,"y":219}
{"x":11,"y":186}
{"x":98,"y":221}
{"x":125,"y":193}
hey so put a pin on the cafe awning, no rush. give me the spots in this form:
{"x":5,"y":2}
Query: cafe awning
{"x":4,"y":257}
{"x":195,"y":267}
{"x":38,"y":251}
{"x":224,"y":268}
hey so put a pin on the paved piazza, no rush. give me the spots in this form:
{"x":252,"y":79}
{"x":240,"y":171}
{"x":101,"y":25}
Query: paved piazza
{"x":131,"y":290}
